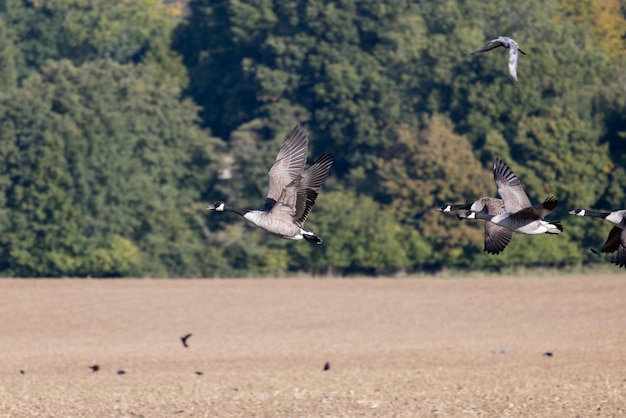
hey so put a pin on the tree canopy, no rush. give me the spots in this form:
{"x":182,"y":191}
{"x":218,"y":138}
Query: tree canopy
{"x":99,"y":164}
{"x":119,"y":121}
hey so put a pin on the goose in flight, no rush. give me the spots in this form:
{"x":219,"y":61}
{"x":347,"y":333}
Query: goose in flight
{"x":496,"y":237}
{"x":292,"y":191}
{"x":519,"y":215}
{"x":616,"y":240}
{"x":508,"y":43}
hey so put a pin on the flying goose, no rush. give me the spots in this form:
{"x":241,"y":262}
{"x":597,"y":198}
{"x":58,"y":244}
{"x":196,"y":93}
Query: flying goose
{"x":508,"y":43}
{"x":292,"y":191}
{"x":617,"y":237}
{"x":519,"y":215}
{"x":496,"y":237}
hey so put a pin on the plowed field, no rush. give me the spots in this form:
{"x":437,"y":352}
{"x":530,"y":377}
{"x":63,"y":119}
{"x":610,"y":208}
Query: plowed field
{"x":396,"y":347}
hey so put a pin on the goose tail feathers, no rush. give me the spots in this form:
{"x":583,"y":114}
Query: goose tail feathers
{"x":554,"y":228}
{"x":310,"y":236}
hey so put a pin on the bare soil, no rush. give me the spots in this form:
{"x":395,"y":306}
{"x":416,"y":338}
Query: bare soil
{"x":396,"y":347}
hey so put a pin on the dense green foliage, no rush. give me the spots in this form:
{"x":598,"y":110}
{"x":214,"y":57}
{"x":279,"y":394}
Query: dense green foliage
{"x":120,"y":120}
{"x":102,"y":166}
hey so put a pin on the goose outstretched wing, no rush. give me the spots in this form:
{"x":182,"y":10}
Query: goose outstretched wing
{"x":310,"y":185}
{"x":513,"y":60}
{"x":613,"y":241}
{"x":538,"y":211}
{"x":288,"y":166}
{"x":494,"y":43}
{"x":509,"y":187}
{"x":496,"y":238}
{"x":620,"y":260}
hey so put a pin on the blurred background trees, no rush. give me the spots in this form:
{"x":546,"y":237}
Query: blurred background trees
{"x":119,"y":121}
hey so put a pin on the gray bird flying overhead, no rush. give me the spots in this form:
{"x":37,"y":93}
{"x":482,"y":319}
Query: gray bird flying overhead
{"x":508,"y":43}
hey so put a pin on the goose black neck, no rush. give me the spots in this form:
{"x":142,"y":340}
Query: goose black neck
{"x":231,"y":208}
{"x":483,"y":215}
{"x":465,"y":206}
{"x":596,"y":214}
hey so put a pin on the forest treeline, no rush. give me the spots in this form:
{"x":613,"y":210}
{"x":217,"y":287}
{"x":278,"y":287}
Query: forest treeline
{"x":121,"y":120}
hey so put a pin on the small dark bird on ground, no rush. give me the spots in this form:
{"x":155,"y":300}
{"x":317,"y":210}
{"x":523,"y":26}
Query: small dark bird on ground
{"x":22,"y":372}
{"x":121,"y":372}
{"x":548,"y":354}
{"x":184,"y":340}
{"x":95,"y":367}
{"x":327,"y":366}
{"x":199,"y":373}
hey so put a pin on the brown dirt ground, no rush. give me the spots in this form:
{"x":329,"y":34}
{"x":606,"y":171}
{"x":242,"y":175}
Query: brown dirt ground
{"x":396,"y":347}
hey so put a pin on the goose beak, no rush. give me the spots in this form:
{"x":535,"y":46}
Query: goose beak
{"x":572,"y":212}
{"x":217,"y":206}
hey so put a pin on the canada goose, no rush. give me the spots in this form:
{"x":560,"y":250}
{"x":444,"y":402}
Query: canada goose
{"x":617,"y":237}
{"x":484,"y":204}
{"x":508,"y":43}
{"x":496,"y":237}
{"x":519,"y":215}
{"x":292,"y":191}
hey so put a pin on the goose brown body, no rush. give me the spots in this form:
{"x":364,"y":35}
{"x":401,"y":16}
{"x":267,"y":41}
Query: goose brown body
{"x":292,"y":191}
{"x":519,"y":215}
